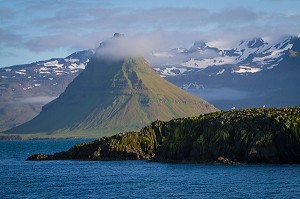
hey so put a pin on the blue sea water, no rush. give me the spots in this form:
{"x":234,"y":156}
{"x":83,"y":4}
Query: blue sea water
{"x":135,"y":179}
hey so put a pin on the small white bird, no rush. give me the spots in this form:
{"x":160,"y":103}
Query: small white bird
{"x":233,"y":108}
{"x":264,"y":106}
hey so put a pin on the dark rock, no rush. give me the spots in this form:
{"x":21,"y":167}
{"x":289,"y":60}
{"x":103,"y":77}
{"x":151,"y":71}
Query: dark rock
{"x":39,"y":157}
{"x":226,"y":161}
{"x":263,"y":153}
{"x":232,"y":137}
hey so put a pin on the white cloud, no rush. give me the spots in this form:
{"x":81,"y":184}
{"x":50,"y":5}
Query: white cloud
{"x":131,"y":45}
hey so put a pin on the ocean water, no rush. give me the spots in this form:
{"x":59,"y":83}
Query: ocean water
{"x":135,"y":179}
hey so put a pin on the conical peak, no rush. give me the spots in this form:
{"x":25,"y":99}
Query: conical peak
{"x":110,"y":96}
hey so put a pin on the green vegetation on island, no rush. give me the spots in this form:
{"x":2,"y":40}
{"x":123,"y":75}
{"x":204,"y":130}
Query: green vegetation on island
{"x":261,"y":135}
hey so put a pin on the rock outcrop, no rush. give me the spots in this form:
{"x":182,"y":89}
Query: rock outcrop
{"x":240,"y":136}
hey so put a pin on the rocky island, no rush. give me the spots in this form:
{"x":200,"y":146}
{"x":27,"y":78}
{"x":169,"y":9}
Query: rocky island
{"x":260,"y":135}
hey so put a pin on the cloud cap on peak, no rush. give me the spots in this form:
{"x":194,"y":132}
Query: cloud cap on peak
{"x":121,"y":46}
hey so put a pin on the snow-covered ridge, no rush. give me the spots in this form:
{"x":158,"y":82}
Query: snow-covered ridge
{"x":37,"y":74}
{"x":250,"y":56}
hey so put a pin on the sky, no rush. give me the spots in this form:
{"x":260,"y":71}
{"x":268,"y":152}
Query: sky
{"x":34,"y":30}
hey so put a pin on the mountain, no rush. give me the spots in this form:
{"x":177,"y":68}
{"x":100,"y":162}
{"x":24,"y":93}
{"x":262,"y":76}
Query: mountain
{"x":254,"y":74}
{"x":261,"y":135}
{"x":24,"y":89}
{"x":113,"y":95}
{"x":249,"y":56}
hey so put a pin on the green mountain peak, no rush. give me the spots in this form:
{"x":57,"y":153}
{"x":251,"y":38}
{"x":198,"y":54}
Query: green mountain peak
{"x":113,"y":95}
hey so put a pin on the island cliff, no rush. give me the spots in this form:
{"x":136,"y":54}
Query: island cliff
{"x":239,"y":136}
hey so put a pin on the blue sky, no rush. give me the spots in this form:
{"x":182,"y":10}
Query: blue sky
{"x":33,"y":30}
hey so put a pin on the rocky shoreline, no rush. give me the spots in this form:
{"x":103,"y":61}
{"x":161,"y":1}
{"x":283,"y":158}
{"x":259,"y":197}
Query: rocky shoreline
{"x":262,"y":135}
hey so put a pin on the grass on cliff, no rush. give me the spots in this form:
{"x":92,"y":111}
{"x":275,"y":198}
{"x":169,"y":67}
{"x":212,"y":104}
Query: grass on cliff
{"x":262,"y":135}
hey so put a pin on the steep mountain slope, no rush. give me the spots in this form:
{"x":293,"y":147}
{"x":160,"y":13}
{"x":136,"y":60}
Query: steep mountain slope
{"x":112,"y":95}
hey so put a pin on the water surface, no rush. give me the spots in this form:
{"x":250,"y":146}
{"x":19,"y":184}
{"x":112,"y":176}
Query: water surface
{"x":135,"y":179}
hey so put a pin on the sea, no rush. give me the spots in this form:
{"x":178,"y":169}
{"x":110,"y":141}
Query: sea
{"x":134,"y":179}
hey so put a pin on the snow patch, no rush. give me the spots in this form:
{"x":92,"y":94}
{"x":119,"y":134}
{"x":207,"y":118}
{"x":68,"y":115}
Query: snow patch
{"x":74,"y":71}
{"x":204,"y":63}
{"x":53,"y":63}
{"x":20,"y":72}
{"x":220,"y":72}
{"x":44,"y":70}
{"x":171,"y":71}
{"x":71,"y":60}
{"x":27,"y":88}
{"x":280,"y":60}
{"x":81,"y":65}
{"x":273,"y":54}
{"x":247,"y":69}
{"x":30,"y":87}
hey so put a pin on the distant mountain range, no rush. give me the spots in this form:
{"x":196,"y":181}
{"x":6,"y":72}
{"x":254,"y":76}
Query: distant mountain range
{"x":255,"y":73}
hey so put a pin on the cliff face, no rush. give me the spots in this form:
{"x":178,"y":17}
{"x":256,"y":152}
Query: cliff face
{"x":122,"y":146}
{"x":247,"y":136}
{"x":250,"y":135}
